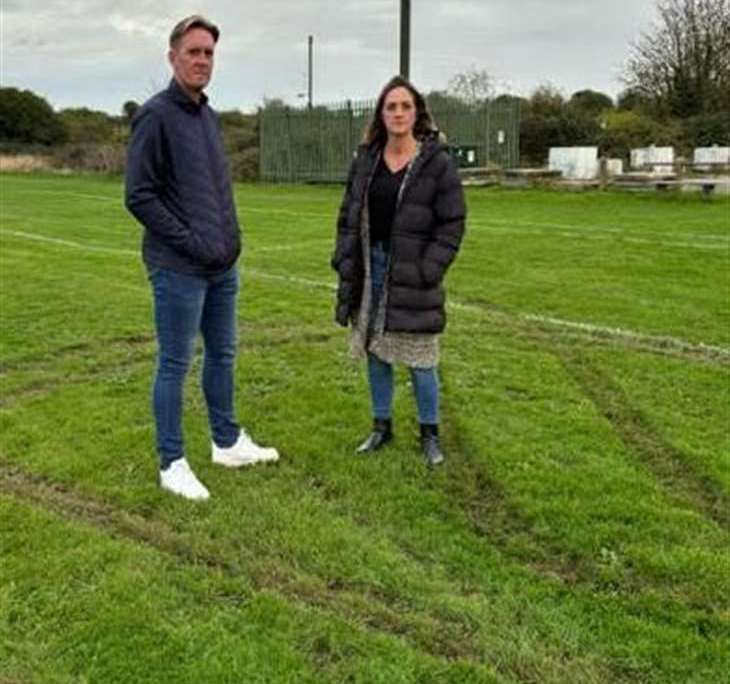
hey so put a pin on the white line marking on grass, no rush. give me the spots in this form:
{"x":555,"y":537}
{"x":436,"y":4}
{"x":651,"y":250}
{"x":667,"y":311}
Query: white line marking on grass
{"x":85,"y":195}
{"x":120,"y":200}
{"x":286,"y":212}
{"x":593,"y":229}
{"x":659,"y":341}
{"x":290,"y":279}
{"x":68,"y":243}
{"x":574,"y":232}
{"x":619,"y":333}
{"x":691,"y":245}
{"x":509,"y":227}
{"x":589,"y":233}
{"x":294,"y":245}
{"x":604,"y":331}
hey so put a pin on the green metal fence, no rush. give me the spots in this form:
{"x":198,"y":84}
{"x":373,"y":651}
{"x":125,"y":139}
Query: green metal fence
{"x":316,"y":145}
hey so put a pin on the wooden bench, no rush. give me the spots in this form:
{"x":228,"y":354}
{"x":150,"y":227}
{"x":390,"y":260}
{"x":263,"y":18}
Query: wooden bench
{"x":707,"y":185}
{"x":663,"y":184}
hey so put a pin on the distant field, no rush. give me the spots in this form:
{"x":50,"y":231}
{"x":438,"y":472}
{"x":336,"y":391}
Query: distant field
{"x":579,"y":531}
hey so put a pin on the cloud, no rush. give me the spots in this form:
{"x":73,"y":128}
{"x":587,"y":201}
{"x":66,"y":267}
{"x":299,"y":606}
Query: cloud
{"x":93,"y":52}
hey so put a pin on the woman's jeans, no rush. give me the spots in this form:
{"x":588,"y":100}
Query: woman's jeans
{"x":184,"y":305}
{"x":380,"y":373}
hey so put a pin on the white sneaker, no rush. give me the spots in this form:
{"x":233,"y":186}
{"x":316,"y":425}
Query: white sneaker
{"x":244,"y":452}
{"x":179,"y":479}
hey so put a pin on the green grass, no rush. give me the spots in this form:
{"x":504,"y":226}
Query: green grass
{"x":577,"y":533}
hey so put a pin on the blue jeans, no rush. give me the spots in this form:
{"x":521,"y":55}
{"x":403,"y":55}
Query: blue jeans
{"x":380,"y":374}
{"x":184,"y":305}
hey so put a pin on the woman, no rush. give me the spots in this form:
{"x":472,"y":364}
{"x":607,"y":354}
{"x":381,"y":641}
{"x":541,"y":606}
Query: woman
{"x":398,"y":230}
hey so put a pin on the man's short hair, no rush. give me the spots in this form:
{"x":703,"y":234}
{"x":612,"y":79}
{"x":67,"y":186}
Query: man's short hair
{"x":191,"y":22}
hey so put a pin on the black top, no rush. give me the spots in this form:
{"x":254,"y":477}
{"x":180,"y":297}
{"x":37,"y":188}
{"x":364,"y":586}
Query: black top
{"x":382,"y":201}
{"x":178,"y":186}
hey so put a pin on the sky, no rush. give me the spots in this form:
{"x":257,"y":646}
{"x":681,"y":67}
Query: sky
{"x":101,"y":53}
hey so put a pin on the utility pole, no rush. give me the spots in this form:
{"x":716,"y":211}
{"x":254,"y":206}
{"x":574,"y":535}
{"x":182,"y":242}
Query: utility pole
{"x":309,"y":81}
{"x":405,"y":38}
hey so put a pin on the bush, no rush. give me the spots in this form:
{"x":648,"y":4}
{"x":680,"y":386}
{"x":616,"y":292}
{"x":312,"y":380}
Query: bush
{"x":240,"y":141}
{"x":628,"y":129}
{"x":706,"y":130}
{"x":245,"y":164}
{"x":101,"y":158}
{"x":89,"y":126}
{"x":538,"y":134}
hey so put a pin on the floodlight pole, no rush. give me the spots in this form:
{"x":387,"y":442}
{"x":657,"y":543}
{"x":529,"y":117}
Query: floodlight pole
{"x":405,"y":38}
{"x":310,"y":78}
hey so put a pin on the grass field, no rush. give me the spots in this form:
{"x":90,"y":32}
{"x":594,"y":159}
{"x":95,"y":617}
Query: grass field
{"x":577,"y":533}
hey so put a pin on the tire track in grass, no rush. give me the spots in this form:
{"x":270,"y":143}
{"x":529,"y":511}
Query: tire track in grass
{"x":105,"y":356}
{"x":503,"y":526}
{"x":428,"y":631}
{"x":673,"y":469}
{"x":40,"y":359}
{"x":446,"y":636}
{"x":40,"y":387}
{"x":136,"y":352}
{"x":493,"y":517}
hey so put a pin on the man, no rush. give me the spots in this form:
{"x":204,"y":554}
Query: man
{"x":178,"y":187}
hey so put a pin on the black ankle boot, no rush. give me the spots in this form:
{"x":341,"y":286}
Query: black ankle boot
{"x":430,"y":444}
{"x":382,"y":434}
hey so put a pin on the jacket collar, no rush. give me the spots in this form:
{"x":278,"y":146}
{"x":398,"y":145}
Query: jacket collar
{"x":429,"y":145}
{"x":179,"y":96}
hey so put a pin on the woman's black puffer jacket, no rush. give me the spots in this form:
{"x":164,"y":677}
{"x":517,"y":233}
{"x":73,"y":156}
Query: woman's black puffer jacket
{"x":427,"y":230}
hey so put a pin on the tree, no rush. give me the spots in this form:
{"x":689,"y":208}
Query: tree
{"x":683,"y":64}
{"x":440,"y":101}
{"x":590,"y":102}
{"x":705,"y":130}
{"x":129,"y":109}
{"x":274,"y":104}
{"x":28,"y":118}
{"x":473,"y":86}
{"x":546,"y":100}
{"x":549,"y":121}
{"x":630,"y":99}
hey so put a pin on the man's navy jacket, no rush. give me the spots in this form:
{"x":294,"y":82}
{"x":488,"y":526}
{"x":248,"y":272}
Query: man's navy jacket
{"x":179,"y":188}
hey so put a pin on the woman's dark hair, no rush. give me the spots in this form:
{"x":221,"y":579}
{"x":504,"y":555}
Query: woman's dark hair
{"x":376,"y":133}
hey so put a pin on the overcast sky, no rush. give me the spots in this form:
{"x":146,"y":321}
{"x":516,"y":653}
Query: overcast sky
{"x":99,"y":53}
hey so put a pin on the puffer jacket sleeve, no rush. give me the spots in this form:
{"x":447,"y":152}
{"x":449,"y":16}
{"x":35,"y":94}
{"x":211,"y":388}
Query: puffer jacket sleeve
{"x":450,"y":213}
{"x":341,"y":236}
{"x":347,"y":260}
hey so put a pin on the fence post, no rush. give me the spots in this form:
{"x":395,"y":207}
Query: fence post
{"x":262,"y":149}
{"x":349,"y":130}
{"x":487,"y":134}
{"x":290,"y":173}
{"x":516,"y":112}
